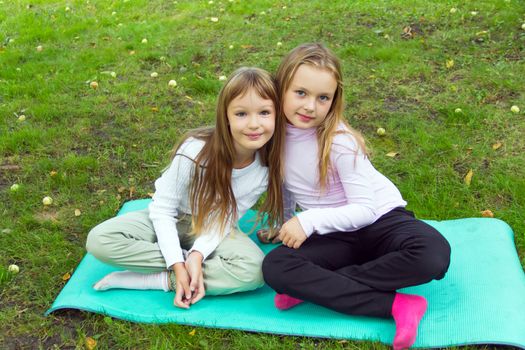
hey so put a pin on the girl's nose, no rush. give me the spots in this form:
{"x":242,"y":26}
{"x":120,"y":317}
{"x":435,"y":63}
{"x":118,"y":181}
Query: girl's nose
{"x":253,"y":121}
{"x":309,"y":105}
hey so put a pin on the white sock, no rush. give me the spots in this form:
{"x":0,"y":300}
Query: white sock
{"x":134,"y":280}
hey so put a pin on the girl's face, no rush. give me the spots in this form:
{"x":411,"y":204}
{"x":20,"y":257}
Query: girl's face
{"x":309,"y":96}
{"x":252,"y":122}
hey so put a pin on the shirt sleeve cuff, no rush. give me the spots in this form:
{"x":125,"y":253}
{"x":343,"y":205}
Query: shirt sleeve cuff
{"x":306,"y":224}
{"x":173,"y":257}
{"x":203,"y":247}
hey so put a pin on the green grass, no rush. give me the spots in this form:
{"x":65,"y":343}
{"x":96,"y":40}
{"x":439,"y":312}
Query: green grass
{"x":109,"y":145}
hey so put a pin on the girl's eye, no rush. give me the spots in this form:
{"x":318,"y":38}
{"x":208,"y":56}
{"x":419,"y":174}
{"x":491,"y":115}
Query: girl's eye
{"x":324,"y":98}
{"x":300,"y":92}
{"x":240,"y":114}
{"x":265,"y":113}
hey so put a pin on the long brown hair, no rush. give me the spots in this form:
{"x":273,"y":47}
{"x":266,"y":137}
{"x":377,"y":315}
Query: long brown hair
{"x":319,"y":56}
{"x":211,"y":194}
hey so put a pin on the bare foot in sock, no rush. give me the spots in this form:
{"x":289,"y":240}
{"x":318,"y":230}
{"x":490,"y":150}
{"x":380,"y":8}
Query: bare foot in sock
{"x":407,"y":310}
{"x":133,"y":280}
{"x":285,"y":302}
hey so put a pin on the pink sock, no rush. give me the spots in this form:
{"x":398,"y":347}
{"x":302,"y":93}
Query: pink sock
{"x":284,"y":302}
{"x":407,"y":311}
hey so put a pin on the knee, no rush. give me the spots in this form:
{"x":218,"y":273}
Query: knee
{"x":253,"y":270}
{"x":248,"y":271}
{"x":273,"y":268}
{"x":441,"y":258}
{"x":97,"y":243}
{"x":434,"y":258}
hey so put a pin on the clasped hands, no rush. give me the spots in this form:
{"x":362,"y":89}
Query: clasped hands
{"x":291,"y":234}
{"x":189,"y":281}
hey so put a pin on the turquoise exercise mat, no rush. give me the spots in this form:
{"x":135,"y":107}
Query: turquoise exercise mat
{"x":480,"y":301}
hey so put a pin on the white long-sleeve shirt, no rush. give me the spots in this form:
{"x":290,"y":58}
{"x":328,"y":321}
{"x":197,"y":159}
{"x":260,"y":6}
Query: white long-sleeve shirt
{"x":356,"y":194}
{"x":172,"y":198}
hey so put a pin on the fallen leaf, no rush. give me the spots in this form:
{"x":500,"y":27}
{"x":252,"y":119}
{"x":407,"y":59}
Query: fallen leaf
{"x":487,"y":213}
{"x":449,"y":64}
{"x":468,"y":177}
{"x":90,"y":343}
{"x":192,"y":333}
{"x":392,"y":154}
{"x":66,"y":276}
{"x":9,"y":167}
{"x":121,"y":189}
{"x":246,"y":46}
{"x":154,"y":109}
{"x":53,"y":173}
{"x":497,"y":145}
{"x":77,"y":212}
{"x":150,"y":194}
{"x":147,"y":165}
{"x":407,"y":33}
{"x":131,"y":191}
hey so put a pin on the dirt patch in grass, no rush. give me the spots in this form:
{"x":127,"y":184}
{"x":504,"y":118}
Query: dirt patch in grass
{"x":22,"y":342}
{"x":46,"y":216}
{"x":394,"y":103}
{"x":417,"y":29}
{"x":460,"y":168}
{"x":6,"y":170}
{"x":68,"y":321}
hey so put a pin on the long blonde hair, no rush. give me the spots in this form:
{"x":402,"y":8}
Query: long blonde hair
{"x":319,"y":56}
{"x":211,"y":194}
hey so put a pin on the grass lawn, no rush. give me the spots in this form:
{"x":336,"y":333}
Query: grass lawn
{"x":439,"y":76}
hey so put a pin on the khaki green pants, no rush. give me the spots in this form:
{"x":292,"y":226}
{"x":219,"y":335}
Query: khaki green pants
{"x":129,"y":241}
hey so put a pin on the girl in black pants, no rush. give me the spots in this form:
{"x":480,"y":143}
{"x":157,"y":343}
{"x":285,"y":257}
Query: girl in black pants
{"x":353,"y":244}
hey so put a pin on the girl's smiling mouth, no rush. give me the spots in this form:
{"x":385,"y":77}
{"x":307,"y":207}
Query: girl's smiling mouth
{"x":304,"y":118}
{"x":253,"y":136}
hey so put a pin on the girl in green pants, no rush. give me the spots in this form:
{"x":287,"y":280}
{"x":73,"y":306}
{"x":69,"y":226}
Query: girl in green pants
{"x":187,"y":240}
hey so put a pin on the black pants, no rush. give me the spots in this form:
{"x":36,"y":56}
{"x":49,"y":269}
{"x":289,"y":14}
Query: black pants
{"x":359,"y":272}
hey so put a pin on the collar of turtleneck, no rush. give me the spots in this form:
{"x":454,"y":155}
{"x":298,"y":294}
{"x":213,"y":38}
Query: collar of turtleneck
{"x":298,"y":134}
